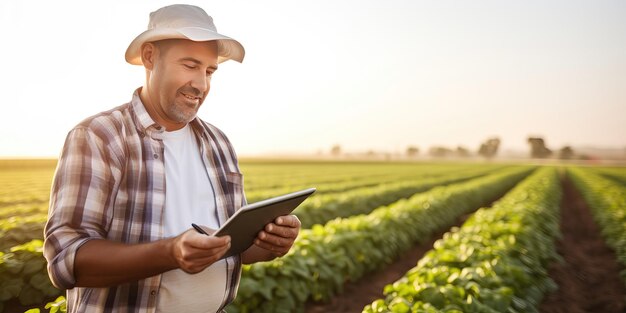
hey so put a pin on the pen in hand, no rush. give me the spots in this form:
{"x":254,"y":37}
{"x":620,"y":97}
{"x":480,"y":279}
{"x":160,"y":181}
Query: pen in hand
{"x":199,"y":229}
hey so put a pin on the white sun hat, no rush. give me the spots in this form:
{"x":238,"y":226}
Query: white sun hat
{"x":181,"y":21}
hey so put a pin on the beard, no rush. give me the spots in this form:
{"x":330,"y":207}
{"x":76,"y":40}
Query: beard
{"x":183,"y":110}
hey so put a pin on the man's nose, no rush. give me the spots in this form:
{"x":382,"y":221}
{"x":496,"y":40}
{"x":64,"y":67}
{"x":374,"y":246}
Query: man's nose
{"x":201,"y":82}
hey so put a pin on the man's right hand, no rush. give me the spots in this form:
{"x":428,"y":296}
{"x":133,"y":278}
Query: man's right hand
{"x":193,"y":252}
{"x":104,"y":263}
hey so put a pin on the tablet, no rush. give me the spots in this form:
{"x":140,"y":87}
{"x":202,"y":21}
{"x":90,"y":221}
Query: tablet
{"x":248,"y":221}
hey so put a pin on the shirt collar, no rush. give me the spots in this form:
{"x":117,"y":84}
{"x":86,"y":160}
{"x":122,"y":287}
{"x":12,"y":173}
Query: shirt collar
{"x":142,"y":118}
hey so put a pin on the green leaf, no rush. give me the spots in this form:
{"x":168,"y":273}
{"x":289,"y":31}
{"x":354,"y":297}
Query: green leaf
{"x":432,"y":296}
{"x":399,"y":305}
{"x":59,"y":305}
{"x":379,"y":306}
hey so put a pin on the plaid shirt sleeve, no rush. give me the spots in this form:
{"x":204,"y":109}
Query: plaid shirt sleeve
{"x":80,"y":192}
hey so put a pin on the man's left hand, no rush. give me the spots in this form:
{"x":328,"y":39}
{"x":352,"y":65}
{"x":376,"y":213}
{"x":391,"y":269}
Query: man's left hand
{"x":279,"y":236}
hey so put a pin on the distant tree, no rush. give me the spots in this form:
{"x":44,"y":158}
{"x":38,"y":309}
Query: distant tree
{"x":538,"y":148}
{"x":439,"y":152}
{"x":462,"y":152}
{"x":566,"y":153}
{"x":335,"y":150}
{"x":489,"y":148}
{"x":412,"y":151}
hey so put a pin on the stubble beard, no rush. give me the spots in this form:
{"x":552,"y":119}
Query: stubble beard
{"x":182,"y":113}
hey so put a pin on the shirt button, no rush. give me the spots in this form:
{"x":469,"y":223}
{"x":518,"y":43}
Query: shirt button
{"x":153,"y":292}
{"x":156,"y":156}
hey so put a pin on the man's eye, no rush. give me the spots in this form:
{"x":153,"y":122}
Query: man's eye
{"x":191,"y":67}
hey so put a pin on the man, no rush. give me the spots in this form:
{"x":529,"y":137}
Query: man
{"x":130,"y":181}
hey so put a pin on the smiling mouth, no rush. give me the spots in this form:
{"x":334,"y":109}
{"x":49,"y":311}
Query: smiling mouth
{"x":190,"y":97}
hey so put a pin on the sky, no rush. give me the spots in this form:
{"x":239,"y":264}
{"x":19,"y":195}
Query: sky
{"x":366,"y":75}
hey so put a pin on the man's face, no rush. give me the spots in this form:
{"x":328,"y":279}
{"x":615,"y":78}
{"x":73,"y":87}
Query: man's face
{"x":180,"y":79}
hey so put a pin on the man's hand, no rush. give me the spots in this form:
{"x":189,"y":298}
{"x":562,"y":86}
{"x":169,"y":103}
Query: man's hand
{"x":104,"y":263}
{"x":193,"y":252}
{"x":279,"y":236}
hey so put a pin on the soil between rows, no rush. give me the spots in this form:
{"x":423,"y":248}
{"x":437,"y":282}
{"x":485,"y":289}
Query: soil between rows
{"x":588,"y":279}
{"x":357,"y":295}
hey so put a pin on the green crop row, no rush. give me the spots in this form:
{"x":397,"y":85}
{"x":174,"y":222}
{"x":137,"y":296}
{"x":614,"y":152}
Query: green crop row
{"x":496,"y":262}
{"x":23,"y":210}
{"x":325,"y":257}
{"x":330,"y":187}
{"x":18,"y":229}
{"x":23,"y":275}
{"x":618,"y":175}
{"x":321,"y":209}
{"x":22,"y":186}
{"x":368,"y":180}
{"x":322,"y":188}
{"x":607,"y":200}
{"x":22,"y":228}
{"x":276,"y":176}
{"x":35,"y":197}
{"x":269,"y":176}
{"x":259,"y":186}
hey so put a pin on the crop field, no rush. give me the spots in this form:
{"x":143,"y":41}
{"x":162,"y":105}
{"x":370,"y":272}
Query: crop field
{"x":391,"y":237}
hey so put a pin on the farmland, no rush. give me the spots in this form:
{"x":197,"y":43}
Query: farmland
{"x":472,"y":237}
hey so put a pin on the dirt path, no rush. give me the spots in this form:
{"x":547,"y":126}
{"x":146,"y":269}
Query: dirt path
{"x":357,"y":295}
{"x":589,"y":278}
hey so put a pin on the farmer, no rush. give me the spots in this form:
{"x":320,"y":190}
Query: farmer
{"x":130,"y":181}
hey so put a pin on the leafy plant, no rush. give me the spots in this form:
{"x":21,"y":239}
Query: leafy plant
{"x":24,"y":276}
{"x":321,"y":209}
{"x":325,"y":257}
{"x":496,"y":262}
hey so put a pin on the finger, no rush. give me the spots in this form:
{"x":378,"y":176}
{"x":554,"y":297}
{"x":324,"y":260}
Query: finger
{"x":198,"y":254}
{"x":277,"y":250}
{"x":197,"y":265}
{"x":282,"y":231}
{"x":274,"y":240}
{"x":193,"y":248}
{"x":288,"y":221}
{"x":200,"y":241}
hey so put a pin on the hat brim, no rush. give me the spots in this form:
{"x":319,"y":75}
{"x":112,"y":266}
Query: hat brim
{"x":227,"y":48}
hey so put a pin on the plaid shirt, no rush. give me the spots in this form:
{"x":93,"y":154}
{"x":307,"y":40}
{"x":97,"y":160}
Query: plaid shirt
{"x":110,"y":184}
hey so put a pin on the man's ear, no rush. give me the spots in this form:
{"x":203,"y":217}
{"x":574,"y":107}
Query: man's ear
{"x":148,"y":55}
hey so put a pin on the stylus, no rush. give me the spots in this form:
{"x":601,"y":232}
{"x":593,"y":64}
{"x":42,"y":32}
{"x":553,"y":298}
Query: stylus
{"x":199,"y":229}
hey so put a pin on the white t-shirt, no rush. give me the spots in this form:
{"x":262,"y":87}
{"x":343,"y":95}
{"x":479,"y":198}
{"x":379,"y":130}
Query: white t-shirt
{"x":189,"y":198}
